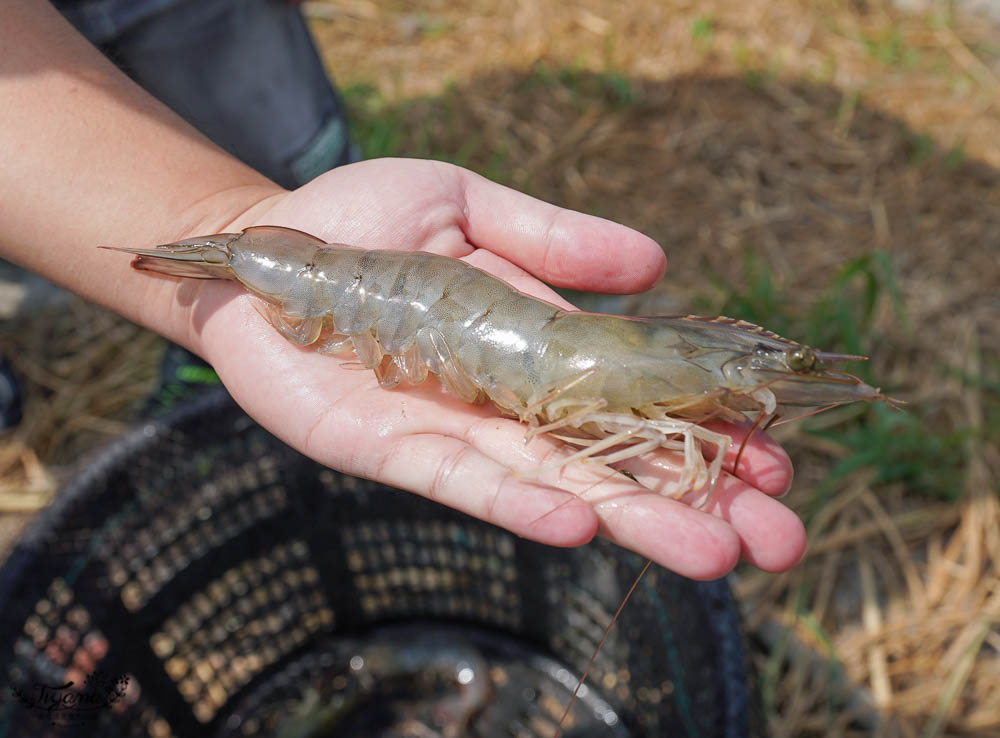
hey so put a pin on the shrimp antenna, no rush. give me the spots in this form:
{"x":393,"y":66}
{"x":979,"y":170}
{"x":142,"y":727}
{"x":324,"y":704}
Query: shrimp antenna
{"x":809,"y":414}
{"x":600,"y":645}
{"x":757,"y":422}
{"x":753,"y":429}
{"x":890,"y":401}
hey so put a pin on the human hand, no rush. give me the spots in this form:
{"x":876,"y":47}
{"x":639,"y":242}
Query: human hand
{"x":467,"y":456}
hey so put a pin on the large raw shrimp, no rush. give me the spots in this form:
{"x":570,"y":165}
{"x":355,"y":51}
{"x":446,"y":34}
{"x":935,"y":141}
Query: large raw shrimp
{"x":617,"y":387}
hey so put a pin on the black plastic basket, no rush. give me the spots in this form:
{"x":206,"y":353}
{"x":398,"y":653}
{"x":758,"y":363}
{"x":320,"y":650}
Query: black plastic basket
{"x":200,"y":578}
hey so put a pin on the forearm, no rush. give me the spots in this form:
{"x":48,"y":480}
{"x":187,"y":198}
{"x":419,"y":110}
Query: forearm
{"x":89,"y":158}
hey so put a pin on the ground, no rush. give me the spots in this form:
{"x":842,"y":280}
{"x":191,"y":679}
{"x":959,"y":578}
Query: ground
{"x":828,"y":170}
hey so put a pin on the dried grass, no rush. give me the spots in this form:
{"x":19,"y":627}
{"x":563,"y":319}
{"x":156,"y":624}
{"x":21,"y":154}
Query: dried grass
{"x":85,"y":371}
{"x":807,"y":132}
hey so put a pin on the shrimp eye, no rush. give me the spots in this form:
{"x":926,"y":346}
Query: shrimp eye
{"x":800,"y":359}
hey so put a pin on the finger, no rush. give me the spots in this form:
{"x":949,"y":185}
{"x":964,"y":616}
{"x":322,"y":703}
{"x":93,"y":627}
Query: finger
{"x":516,"y":277}
{"x":771,"y":537}
{"x":559,"y":246}
{"x":449,"y":471}
{"x":687,"y":541}
{"x":763,"y":463}
{"x":692,"y":543}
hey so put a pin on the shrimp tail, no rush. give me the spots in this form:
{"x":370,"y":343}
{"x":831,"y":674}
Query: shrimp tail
{"x":197,"y":258}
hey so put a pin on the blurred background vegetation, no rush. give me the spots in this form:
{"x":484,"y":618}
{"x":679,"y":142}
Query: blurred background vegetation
{"x":825,"y":169}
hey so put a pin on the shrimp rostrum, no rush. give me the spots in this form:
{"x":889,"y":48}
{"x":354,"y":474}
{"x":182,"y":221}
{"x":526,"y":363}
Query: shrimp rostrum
{"x":615,"y":387}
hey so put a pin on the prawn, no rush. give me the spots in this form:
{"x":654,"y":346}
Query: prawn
{"x":617,"y":387}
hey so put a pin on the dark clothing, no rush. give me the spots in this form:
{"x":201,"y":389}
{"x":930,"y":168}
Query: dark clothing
{"x":103,"y":20}
{"x":243,"y":72}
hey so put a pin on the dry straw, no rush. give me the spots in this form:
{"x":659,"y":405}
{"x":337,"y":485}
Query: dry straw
{"x":806,"y":133}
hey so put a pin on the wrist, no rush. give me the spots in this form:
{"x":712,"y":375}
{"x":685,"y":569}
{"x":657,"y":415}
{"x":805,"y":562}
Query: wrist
{"x":229,"y":210}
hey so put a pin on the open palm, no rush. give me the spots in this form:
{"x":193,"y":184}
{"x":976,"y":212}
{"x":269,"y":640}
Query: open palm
{"x":467,"y":456}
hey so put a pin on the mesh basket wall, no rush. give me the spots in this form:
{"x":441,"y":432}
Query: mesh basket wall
{"x":200,"y":578}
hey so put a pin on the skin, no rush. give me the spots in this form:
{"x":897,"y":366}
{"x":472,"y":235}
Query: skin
{"x":91,"y":159}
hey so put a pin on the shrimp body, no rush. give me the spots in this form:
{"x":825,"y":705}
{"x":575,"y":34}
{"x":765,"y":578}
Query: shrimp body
{"x":604,"y":382}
